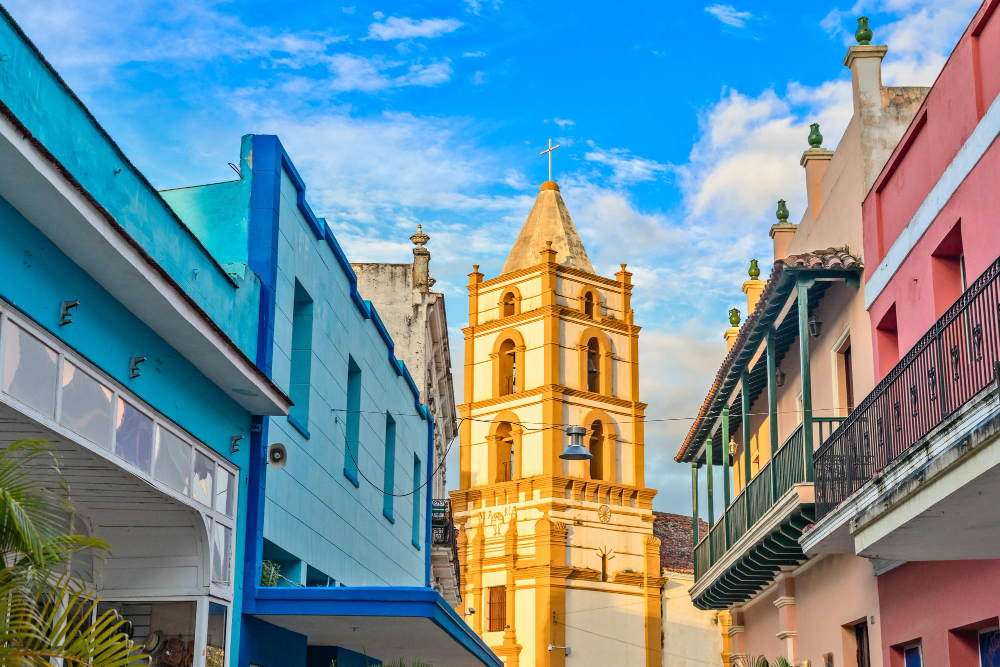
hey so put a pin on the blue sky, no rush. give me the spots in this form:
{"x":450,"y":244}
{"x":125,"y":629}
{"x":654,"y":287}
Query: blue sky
{"x":680,"y":123}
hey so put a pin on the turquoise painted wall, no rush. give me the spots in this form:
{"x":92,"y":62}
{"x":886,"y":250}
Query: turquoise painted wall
{"x":32,"y":91}
{"x":37,"y":276}
{"x":313,"y":510}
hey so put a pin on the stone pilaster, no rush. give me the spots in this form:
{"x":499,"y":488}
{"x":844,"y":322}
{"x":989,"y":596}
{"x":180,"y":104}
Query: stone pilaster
{"x":785,"y":603}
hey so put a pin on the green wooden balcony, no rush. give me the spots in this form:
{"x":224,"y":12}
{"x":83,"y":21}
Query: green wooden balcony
{"x":791,"y":464}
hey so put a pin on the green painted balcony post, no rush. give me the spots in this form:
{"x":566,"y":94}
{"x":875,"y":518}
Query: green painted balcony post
{"x":772,"y":408}
{"x":725,"y":472}
{"x":802,"y":286}
{"x":725,"y":457}
{"x":711,"y":487}
{"x":694,"y":501}
{"x":745,"y":392}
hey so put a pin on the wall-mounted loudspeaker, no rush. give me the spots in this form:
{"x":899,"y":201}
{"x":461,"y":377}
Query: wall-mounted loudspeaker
{"x":277,"y":456}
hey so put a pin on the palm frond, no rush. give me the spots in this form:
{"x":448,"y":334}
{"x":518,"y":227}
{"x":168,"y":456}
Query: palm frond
{"x":38,"y":629}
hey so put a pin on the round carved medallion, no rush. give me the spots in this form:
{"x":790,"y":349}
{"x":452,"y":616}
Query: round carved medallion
{"x":604,"y":514}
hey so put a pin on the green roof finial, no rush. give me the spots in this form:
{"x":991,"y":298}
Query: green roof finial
{"x":815,"y":138}
{"x":863,"y":34}
{"x":754,"y":270}
{"x":734,"y":317}
{"x":782,"y":212}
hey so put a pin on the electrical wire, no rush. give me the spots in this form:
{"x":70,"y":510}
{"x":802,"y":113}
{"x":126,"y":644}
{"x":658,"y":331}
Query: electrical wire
{"x":545,"y":426}
{"x":524,"y":424}
{"x":627,"y":643}
{"x":357,"y":466}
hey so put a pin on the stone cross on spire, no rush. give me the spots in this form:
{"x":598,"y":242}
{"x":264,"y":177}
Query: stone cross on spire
{"x":549,"y":151}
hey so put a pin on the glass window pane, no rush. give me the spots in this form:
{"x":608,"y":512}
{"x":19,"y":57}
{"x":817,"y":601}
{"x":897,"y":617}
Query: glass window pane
{"x":172,"y":461}
{"x":224,"y":492}
{"x":989,"y":648}
{"x":221,"y":538}
{"x":86,"y":406}
{"x":912,"y":657}
{"x":29,"y":370}
{"x":133,"y":435}
{"x":215,"y":653}
{"x":158,"y":627}
{"x":204,"y":471}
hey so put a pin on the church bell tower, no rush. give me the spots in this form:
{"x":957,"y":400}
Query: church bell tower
{"x":558,"y":557}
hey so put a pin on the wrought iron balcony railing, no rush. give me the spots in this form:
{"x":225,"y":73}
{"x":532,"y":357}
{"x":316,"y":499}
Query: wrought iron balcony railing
{"x":443,"y":531}
{"x":954,"y":361}
{"x":786,"y":468}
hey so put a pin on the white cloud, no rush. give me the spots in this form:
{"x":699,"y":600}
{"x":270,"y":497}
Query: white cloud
{"x":686,"y":359}
{"x":406,"y":28}
{"x":626,"y":169}
{"x":919,"y":40}
{"x":359,"y":73}
{"x":474,"y":54}
{"x":349,"y":10}
{"x":92,"y":37}
{"x":562,"y":122}
{"x":474,"y":6}
{"x":729,"y":15}
{"x":479,"y":78}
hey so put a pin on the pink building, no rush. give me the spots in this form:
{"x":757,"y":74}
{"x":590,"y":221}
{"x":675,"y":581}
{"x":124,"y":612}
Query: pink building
{"x":911,"y":479}
{"x":794,"y":369}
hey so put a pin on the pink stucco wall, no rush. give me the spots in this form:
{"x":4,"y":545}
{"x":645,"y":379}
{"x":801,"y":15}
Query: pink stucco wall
{"x":939,"y":604}
{"x":918,"y":290}
{"x":831,"y":594}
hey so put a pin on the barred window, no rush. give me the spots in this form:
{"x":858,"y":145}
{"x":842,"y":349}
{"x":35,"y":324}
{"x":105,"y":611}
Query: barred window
{"x":497,"y":611}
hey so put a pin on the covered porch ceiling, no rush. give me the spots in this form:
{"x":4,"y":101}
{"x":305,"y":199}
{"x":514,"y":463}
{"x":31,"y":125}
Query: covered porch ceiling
{"x":158,"y":543}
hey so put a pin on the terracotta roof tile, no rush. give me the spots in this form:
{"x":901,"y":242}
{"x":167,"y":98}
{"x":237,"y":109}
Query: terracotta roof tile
{"x":676,"y":549}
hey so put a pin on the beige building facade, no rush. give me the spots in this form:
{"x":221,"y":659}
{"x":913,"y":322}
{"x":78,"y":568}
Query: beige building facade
{"x":558,"y":557}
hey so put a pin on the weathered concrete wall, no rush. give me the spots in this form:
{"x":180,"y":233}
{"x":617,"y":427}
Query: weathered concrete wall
{"x":416,"y":319}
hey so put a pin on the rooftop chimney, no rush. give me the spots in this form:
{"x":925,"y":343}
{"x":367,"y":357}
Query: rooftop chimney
{"x":753,"y":287}
{"x":782,"y":231}
{"x":734,"y":328}
{"x":421,"y":261}
{"x":865,"y":63}
{"x":815,"y":160}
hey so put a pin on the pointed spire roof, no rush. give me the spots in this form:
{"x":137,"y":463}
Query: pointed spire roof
{"x":548,"y":221}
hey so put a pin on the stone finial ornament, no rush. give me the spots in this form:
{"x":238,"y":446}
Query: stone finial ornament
{"x":863,"y":34}
{"x":734,"y":317}
{"x":815,"y":138}
{"x":754,"y":271}
{"x":782,"y":212}
{"x":419,"y":239}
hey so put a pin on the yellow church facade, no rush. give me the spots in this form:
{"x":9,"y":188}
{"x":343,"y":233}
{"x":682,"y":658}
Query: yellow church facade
{"x":558,"y":557}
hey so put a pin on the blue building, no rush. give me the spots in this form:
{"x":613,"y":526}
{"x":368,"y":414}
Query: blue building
{"x":132,"y":350}
{"x":346,"y":505}
{"x":221,"y":395}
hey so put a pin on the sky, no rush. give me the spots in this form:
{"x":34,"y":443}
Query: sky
{"x":680,"y":126}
